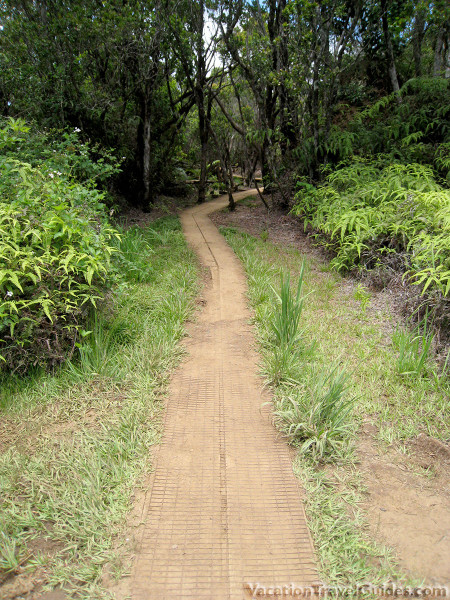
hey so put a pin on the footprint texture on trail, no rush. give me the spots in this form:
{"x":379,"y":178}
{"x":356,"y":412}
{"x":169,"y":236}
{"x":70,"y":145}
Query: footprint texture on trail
{"x":224,"y":510}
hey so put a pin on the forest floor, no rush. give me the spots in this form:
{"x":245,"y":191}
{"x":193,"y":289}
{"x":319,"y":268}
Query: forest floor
{"x":402,"y":468}
{"x":232,"y":473}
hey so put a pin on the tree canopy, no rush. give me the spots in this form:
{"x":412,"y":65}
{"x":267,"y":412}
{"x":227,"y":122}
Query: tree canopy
{"x":175,"y":86}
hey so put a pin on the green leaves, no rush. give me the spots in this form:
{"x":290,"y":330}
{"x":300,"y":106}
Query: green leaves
{"x":55,"y":249}
{"x":286,"y":320}
{"x":318,"y":417}
{"x":366,"y":209}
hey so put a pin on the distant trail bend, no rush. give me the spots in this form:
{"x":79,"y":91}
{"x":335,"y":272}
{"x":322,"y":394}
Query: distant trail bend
{"x":224,"y":510}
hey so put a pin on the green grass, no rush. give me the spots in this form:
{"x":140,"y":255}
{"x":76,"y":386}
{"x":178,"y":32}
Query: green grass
{"x":317,"y":414}
{"x":336,"y":330}
{"x":344,"y":370}
{"x":79,"y":439}
{"x":414,"y":349}
{"x":347,"y":554}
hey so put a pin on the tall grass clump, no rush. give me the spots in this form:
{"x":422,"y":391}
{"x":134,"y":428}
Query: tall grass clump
{"x":286,"y":320}
{"x":134,"y":255}
{"x":414,"y":348}
{"x":285,"y":344}
{"x":317,"y":417}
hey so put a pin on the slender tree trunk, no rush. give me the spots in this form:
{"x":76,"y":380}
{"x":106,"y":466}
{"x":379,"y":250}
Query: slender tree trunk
{"x":228,"y":171}
{"x":204,"y":124}
{"x":417,"y":38}
{"x":287,"y":111}
{"x":388,"y":47}
{"x":231,"y":202}
{"x":314,"y":98}
{"x":202,"y":184}
{"x":148,"y":189}
{"x":438,"y":63}
{"x":265,"y":169}
{"x":261,"y":197}
{"x":203,"y":111}
{"x":144,"y":154}
{"x":250,"y":173}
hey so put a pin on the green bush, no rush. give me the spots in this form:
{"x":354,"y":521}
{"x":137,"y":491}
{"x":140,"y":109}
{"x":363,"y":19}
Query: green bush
{"x":58,"y":151}
{"x":413,"y":130}
{"x":369,"y":211}
{"x":55,"y":248}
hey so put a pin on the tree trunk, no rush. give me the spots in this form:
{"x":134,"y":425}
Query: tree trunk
{"x":146,"y":171}
{"x":417,"y":38}
{"x":265,"y":168}
{"x":388,"y":47}
{"x":143,"y":153}
{"x":229,"y":167}
{"x":313,"y":96}
{"x":438,"y":64}
{"x":447,"y":62}
{"x":204,"y":125}
{"x":199,"y":93}
{"x":231,"y":202}
{"x":202,"y":184}
{"x":288,"y":113}
{"x":250,"y":172}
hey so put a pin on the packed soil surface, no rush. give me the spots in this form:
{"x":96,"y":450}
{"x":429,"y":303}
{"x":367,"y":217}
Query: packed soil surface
{"x":408,"y":511}
{"x":408,"y":495}
{"x":224,"y":510}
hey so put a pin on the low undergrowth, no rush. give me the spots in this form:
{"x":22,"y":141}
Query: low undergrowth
{"x":73,"y":443}
{"x":384,"y":215}
{"x":341,"y":372}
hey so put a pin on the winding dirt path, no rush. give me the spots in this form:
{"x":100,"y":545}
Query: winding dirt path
{"x":224,"y":509}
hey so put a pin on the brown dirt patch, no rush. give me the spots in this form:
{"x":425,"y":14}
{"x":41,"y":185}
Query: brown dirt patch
{"x":19,"y":587}
{"x":407,"y":510}
{"x":26,"y":586}
{"x":253,"y":218}
{"x":429,"y":452}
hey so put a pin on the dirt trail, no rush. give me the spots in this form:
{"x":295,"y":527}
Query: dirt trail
{"x":224,"y":508}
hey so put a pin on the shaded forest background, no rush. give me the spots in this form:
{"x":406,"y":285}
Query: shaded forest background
{"x":174,"y":86}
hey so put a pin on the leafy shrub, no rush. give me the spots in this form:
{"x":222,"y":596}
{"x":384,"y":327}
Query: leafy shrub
{"x":368,"y":211}
{"x":55,"y":247}
{"x":413,"y":130}
{"x":58,"y":151}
